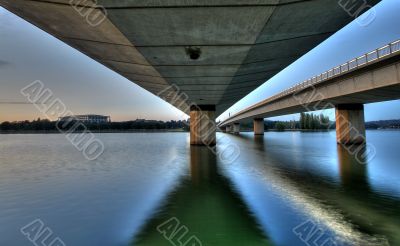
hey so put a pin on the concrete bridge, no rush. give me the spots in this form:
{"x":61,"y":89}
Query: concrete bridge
{"x":373,"y":77}
{"x":210,"y":53}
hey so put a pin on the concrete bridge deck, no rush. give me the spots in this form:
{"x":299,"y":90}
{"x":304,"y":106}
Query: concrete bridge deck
{"x":373,"y":77}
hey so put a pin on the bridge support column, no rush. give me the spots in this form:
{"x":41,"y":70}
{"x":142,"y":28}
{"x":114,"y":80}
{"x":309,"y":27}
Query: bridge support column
{"x":223,"y":129}
{"x":236,"y":128}
{"x":202,"y":125}
{"x":228,"y":128}
{"x":350,"y":124}
{"x":258,"y":125}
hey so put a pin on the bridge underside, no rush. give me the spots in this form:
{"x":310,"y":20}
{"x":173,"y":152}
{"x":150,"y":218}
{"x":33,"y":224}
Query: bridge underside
{"x":376,"y":81}
{"x":369,"y":85}
{"x":238,"y":44}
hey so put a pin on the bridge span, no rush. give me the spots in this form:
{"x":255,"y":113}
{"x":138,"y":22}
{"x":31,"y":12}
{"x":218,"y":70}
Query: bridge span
{"x":214,"y":51}
{"x":372,"y":77}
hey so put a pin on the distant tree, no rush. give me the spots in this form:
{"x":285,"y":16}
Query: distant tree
{"x":302,"y":121}
{"x":280,"y":126}
{"x":324,"y":121}
{"x":312,"y":121}
{"x":5,"y":126}
{"x":308,"y":121}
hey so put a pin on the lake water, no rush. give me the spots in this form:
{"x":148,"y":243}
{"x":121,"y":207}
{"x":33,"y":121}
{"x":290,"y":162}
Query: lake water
{"x":286,"y":188}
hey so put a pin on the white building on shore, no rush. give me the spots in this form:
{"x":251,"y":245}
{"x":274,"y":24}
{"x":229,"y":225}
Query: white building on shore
{"x":87,"y":118}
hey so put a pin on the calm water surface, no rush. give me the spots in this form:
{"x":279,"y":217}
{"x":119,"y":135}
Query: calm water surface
{"x":284,"y":189}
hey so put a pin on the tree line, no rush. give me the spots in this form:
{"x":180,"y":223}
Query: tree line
{"x":307,"y":121}
{"x":313,"y":122}
{"x":47,"y":125}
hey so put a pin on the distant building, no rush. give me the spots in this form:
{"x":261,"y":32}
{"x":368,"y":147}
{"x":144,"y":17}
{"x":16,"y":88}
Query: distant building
{"x":87,"y":118}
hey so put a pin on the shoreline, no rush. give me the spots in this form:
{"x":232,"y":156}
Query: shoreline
{"x":95,"y":131}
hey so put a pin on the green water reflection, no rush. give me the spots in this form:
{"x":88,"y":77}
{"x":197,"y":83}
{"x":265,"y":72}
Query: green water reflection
{"x":207,"y":206}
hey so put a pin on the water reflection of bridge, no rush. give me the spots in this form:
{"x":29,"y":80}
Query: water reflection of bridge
{"x":344,"y":204}
{"x":215,"y":199}
{"x":206,"y":204}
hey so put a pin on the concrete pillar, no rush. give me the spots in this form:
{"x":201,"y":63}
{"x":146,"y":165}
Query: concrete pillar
{"x":202,"y":125}
{"x":223,"y":129}
{"x":350,"y":124}
{"x":258,"y":125}
{"x":228,"y":128}
{"x":236,"y":128}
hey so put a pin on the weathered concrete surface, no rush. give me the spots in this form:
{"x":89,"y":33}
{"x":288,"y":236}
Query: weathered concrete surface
{"x":202,"y":125}
{"x":350,"y":124}
{"x":243,"y":43}
{"x":377,"y":82}
{"x":258,"y":125}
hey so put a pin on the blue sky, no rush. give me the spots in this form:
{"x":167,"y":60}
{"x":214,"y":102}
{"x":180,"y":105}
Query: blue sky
{"x":85,"y":86}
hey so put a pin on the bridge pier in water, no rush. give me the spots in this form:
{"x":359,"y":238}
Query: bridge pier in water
{"x":350,"y":124}
{"x":202,"y":125}
{"x":236,"y":128}
{"x":223,"y":129}
{"x":258,"y":125}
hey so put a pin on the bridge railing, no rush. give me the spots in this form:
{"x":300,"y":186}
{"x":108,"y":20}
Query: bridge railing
{"x":351,"y":65}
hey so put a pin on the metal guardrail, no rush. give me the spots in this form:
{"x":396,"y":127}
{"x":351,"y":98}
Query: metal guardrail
{"x":349,"y":66}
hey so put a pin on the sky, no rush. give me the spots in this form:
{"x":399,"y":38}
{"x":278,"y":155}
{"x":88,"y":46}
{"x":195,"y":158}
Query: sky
{"x":85,"y":86}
